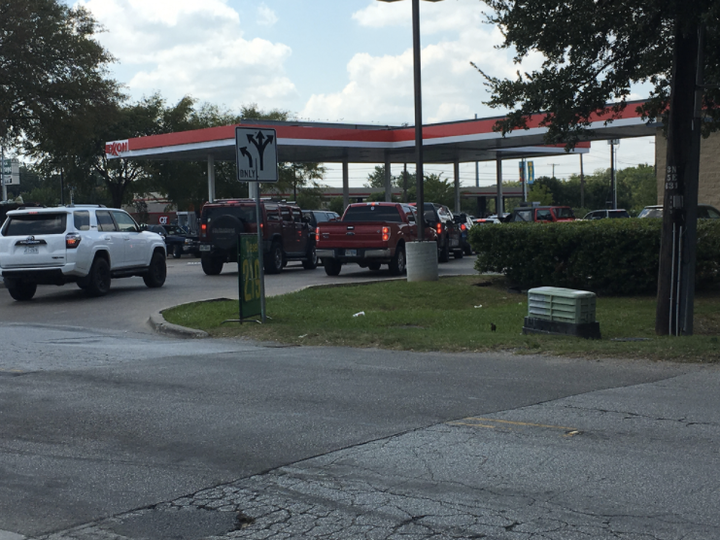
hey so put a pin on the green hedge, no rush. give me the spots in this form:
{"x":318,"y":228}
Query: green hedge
{"x":609,"y":256}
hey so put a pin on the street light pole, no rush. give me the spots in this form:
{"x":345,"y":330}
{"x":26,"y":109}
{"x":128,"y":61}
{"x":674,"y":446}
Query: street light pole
{"x":417,"y":69}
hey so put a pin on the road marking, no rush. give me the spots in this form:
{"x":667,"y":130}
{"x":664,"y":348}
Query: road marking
{"x":493,"y":423}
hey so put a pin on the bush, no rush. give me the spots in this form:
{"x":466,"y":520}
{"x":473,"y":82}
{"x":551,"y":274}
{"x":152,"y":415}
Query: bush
{"x":609,"y":256}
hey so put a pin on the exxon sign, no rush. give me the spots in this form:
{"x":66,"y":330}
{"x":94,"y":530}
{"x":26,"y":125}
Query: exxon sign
{"x":116,"y":148}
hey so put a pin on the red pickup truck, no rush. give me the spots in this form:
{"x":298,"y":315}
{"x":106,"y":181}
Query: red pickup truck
{"x":369,"y":234}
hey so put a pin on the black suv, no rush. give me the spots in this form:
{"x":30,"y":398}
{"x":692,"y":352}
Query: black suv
{"x":440,"y":218}
{"x":286,"y":235}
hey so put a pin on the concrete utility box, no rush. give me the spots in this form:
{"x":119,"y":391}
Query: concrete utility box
{"x":554,"y":310}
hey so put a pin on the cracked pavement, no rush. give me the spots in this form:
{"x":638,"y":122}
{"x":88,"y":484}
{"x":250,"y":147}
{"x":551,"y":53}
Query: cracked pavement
{"x":630,"y":463}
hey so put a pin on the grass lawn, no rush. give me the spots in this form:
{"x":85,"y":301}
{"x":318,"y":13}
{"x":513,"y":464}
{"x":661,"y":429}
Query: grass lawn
{"x":453,"y":314}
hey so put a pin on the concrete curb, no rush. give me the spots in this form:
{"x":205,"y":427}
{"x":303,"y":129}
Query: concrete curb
{"x":161,"y":326}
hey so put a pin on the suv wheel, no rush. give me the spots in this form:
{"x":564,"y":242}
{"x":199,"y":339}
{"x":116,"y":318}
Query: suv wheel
{"x":274,"y":262}
{"x":312,"y":259}
{"x":212,"y":266}
{"x":157,"y":271}
{"x":444,"y":255}
{"x":21,"y":291}
{"x":98,"y":280}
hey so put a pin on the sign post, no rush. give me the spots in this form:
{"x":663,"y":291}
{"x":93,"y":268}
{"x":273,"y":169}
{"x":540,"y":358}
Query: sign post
{"x":256,"y":158}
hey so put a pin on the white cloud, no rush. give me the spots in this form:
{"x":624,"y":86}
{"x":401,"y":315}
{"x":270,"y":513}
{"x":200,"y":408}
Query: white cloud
{"x":183,"y":47}
{"x":266,"y":16}
{"x":382,"y":87}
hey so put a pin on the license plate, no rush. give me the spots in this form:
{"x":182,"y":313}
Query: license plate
{"x":351,"y":252}
{"x":31,"y":250}
{"x":204,"y":248}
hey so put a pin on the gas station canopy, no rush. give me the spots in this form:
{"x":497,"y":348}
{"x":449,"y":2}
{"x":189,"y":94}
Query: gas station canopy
{"x":451,"y":142}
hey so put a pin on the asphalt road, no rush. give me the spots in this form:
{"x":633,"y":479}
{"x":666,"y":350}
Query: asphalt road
{"x":108,"y":430}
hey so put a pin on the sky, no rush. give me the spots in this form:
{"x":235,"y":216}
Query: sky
{"x":347,"y":61}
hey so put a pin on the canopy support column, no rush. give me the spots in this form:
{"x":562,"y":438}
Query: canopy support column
{"x":499,"y":202}
{"x":388,"y":179}
{"x":457,"y":186}
{"x":211,"y":177}
{"x":346,"y":184}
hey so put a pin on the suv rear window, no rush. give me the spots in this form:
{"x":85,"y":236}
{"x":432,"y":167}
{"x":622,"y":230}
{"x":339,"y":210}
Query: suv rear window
{"x":35,"y":224}
{"x":243,"y":213}
{"x":372,"y":213}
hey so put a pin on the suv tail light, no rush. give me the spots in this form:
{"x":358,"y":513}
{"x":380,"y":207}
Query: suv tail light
{"x":203,"y":230}
{"x":72,"y":240}
{"x":439,"y":228}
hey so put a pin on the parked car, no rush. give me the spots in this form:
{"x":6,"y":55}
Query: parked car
{"x":704,"y":211}
{"x":605,"y":214}
{"x":85,"y":244}
{"x":439,"y":217}
{"x":486,"y":221}
{"x":286,"y":235}
{"x":464,"y":224}
{"x":176,"y":240}
{"x":541,"y":213}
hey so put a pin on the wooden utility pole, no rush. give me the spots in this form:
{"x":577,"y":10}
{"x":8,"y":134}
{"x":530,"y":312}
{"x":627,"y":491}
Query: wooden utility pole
{"x":676,"y":279}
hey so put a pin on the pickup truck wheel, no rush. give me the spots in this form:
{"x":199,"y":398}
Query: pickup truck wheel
{"x":374,"y":266}
{"x":312,"y":259}
{"x":212,"y":266}
{"x":398,"y":262}
{"x":274,"y":262}
{"x":177,"y":252}
{"x":332,"y":267}
{"x":21,"y":291}
{"x":157,"y":271}
{"x":98,"y":280}
{"x":444,"y":255}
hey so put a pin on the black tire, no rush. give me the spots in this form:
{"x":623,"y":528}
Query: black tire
{"x":274,"y":260}
{"x":212,"y":266}
{"x":224,"y":232}
{"x":177,"y":251}
{"x":467,"y":250}
{"x":375,"y":266}
{"x":444,"y":254}
{"x":99,"y":279}
{"x":311,"y":262}
{"x":398,"y":264}
{"x":21,"y":291}
{"x":458,"y":254}
{"x":332,"y":267}
{"x":157,"y":271}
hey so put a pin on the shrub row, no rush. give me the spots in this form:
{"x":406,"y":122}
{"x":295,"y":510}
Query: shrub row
{"x":609,"y":256}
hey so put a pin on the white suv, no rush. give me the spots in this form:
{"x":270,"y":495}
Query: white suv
{"x":84,"y":244}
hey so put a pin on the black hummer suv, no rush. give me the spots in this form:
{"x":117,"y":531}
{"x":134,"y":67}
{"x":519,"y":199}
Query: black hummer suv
{"x":286,"y":235}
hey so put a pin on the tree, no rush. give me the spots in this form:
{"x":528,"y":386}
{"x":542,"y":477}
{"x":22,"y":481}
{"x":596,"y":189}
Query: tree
{"x":50,"y":66}
{"x":594,"y":51}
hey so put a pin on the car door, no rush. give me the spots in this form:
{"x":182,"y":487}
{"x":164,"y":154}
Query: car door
{"x":135,"y":243}
{"x":111,"y":237}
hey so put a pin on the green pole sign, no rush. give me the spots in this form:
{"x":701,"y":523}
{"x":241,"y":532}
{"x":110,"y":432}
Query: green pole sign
{"x":251,"y":289}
